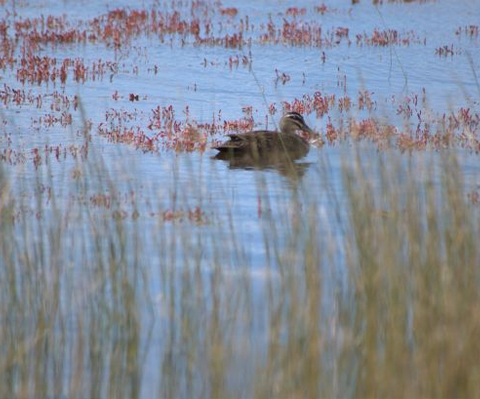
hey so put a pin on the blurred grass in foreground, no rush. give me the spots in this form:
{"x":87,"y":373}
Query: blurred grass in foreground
{"x":97,"y":305}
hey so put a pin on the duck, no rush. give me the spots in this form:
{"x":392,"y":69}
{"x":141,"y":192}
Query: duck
{"x":264,"y":145}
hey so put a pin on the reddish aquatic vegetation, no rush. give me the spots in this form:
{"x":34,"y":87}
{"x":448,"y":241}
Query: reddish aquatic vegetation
{"x":229,"y":11}
{"x":294,"y":11}
{"x":49,"y":29}
{"x":445,"y":51}
{"x":466,"y":117}
{"x":331,"y":133}
{"x":18,"y":97}
{"x":195,"y":215}
{"x":389,"y":37}
{"x":422,"y":129}
{"x":469,"y":30}
{"x":71,"y":36}
{"x":294,"y":34}
{"x":322,"y":104}
{"x":186,"y":139}
{"x":397,"y":1}
{"x":3,"y":28}
{"x":38,"y":70}
{"x":322,"y":9}
{"x":410,"y":105}
{"x":172,"y":23}
{"x":272,"y":109}
{"x":119,"y":116}
{"x":34,"y":69}
{"x":39,"y":155}
{"x":133,"y":97}
{"x":405,"y":109}
{"x":101,"y":200}
{"x":194,"y":25}
{"x":456,"y":129}
{"x":115,"y":28}
{"x":344,"y":103}
{"x":318,"y":103}
{"x":162,"y":118}
{"x":281,"y":77}
{"x":234,"y":61}
{"x":118,"y":26}
{"x":474,"y":196}
{"x":115,"y":130}
{"x":43,"y":190}
{"x":132,"y":135}
{"x":210,"y":128}
{"x":247,"y":112}
{"x":111,"y":200}
{"x":243,"y":124}
{"x":49,"y":120}
{"x":220,"y":125}
{"x":341,"y":32}
{"x":235,"y":41}
{"x":37,"y":159}
{"x":7,"y":46}
{"x":406,"y":142}
{"x":59,"y":102}
{"x":365,"y":100}
{"x":370,"y":129}
{"x":169,"y":133}
{"x":13,"y":157}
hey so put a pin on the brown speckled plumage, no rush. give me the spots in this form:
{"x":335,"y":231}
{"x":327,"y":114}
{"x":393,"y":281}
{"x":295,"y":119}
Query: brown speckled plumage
{"x":263,"y":144}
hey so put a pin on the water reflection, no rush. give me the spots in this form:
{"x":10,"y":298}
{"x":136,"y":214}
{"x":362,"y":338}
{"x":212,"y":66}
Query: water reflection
{"x":283,"y":163}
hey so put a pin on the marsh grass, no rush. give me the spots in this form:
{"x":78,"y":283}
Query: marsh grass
{"x":371,"y":292}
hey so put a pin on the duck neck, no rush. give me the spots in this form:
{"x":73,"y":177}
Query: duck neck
{"x":287,"y":128}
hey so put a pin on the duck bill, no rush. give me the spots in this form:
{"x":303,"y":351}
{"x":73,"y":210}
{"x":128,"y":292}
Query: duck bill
{"x":310,"y":132}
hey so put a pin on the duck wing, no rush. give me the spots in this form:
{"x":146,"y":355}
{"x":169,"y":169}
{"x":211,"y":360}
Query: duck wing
{"x":245,"y":141}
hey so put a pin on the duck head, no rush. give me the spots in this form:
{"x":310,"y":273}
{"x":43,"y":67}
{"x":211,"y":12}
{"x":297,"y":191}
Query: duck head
{"x":292,"y":122}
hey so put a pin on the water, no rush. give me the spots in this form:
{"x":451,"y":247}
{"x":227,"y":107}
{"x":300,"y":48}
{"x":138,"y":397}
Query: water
{"x":185,"y":75}
{"x":211,"y":84}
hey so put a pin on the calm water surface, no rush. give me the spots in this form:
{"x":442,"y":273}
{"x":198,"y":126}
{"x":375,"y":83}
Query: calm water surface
{"x":199,"y":77}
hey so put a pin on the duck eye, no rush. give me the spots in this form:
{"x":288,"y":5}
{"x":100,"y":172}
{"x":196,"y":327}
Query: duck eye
{"x":298,"y":120}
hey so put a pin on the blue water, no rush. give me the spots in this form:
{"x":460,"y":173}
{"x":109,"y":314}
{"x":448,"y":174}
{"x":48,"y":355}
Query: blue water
{"x":200,"y":78}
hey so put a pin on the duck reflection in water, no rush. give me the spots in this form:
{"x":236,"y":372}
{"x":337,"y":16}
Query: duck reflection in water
{"x":263,"y":149}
